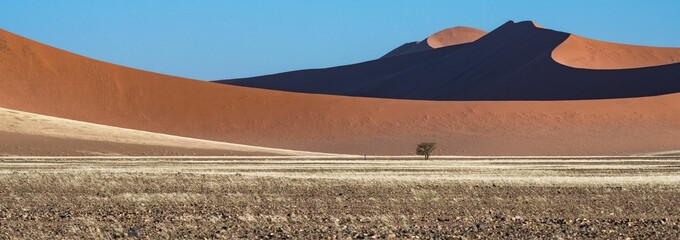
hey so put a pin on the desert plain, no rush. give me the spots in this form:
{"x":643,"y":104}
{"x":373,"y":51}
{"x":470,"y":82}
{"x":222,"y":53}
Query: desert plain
{"x":337,"y":198}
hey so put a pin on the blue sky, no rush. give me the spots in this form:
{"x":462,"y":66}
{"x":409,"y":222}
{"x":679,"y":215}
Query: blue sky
{"x":211,"y":40}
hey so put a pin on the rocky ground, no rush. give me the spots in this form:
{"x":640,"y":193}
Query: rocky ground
{"x":100,"y":204}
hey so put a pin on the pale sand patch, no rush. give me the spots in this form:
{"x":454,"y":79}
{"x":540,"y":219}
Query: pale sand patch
{"x":34,"y":124}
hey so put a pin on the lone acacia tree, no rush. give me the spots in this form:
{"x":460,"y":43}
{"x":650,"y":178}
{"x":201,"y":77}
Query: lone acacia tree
{"x":425,"y":149}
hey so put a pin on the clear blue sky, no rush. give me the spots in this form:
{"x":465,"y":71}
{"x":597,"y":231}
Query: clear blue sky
{"x":227,"y":39}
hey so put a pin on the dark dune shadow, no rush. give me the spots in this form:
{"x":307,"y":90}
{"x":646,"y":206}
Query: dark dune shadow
{"x":512,"y":62}
{"x":409,"y":48}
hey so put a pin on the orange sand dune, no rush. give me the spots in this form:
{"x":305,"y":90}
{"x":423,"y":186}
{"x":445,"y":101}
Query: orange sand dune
{"x":580,"y":52}
{"x":444,"y":38}
{"x":512,"y":62}
{"x":454,"y":36}
{"x":41,"y":79}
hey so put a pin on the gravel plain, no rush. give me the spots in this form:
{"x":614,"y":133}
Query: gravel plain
{"x":263,"y":197}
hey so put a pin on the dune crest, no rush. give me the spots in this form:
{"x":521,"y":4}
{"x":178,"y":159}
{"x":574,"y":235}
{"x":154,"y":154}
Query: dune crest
{"x":512,"y":62}
{"x":580,"y":52}
{"x":454,"y":36}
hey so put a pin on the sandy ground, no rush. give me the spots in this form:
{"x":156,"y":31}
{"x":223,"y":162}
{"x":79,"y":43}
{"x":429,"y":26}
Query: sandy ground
{"x":24,"y":133}
{"x":290,"y":197}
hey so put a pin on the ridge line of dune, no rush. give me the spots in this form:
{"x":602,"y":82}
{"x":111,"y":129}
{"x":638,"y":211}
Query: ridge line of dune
{"x":454,"y":36}
{"x":448,"y":37}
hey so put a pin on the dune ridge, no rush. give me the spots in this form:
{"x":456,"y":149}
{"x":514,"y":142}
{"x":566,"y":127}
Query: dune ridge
{"x":40,"y":79}
{"x":454,"y":36}
{"x":445,"y":38}
{"x":512,"y":62}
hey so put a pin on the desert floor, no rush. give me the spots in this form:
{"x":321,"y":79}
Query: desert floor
{"x":322,"y":197}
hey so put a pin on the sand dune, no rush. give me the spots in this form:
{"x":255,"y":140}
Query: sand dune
{"x":579,"y":52}
{"x":445,"y":38}
{"x":24,"y":134}
{"x":454,"y":36}
{"x":41,"y":79}
{"x":513,"y":62}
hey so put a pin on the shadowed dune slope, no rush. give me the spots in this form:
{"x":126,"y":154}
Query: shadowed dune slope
{"x":444,"y":38}
{"x":41,"y":79}
{"x":512,"y":62}
{"x":579,"y":52}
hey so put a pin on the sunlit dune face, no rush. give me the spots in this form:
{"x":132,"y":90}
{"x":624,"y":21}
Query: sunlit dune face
{"x":40,"y":79}
{"x":579,"y":52}
{"x":454,"y":36}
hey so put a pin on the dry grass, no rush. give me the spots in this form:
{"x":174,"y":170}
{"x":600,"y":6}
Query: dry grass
{"x":171,"y":198}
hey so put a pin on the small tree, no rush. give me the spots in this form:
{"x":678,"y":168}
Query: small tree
{"x":425,"y":149}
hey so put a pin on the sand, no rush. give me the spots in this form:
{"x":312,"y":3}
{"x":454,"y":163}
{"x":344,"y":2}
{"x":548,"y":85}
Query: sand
{"x":512,"y":62}
{"x":580,"y":52}
{"x":16,"y":144}
{"x":449,"y":37}
{"x":41,"y":79}
{"x":28,"y":134}
{"x":454,"y":36}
